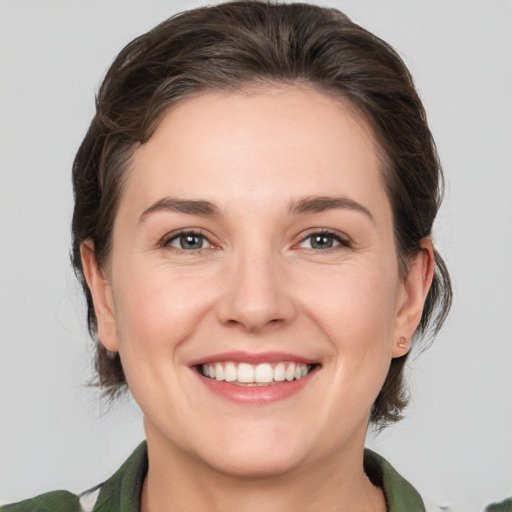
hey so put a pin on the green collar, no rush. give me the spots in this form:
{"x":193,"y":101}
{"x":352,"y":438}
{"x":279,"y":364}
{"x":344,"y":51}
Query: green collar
{"x":401,"y":496}
{"x":122,"y":491}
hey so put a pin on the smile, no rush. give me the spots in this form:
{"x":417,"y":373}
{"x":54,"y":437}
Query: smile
{"x":263,"y":374}
{"x":255,"y":378}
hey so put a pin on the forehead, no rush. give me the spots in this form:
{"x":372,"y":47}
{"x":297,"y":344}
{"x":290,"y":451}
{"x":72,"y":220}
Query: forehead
{"x":274,"y":143}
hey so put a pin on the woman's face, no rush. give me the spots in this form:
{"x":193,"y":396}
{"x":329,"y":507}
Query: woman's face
{"x":254,"y":241}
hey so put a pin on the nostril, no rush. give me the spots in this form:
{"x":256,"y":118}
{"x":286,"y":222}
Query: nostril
{"x":254,"y":325}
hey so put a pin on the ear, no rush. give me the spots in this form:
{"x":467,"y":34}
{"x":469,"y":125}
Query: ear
{"x":101,"y":291}
{"x":416,"y":287}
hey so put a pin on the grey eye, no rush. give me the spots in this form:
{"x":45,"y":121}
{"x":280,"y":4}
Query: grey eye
{"x":188,"y":241}
{"x":321,"y":241}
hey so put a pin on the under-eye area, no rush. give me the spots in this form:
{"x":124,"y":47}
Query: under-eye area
{"x":263,"y":374}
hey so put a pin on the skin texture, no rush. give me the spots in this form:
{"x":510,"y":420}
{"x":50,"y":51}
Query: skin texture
{"x":257,"y":285}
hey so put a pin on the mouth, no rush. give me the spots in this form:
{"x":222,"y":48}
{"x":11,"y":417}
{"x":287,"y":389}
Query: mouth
{"x":255,"y":378}
{"x":252,"y":375}
{"x":249,"y":378}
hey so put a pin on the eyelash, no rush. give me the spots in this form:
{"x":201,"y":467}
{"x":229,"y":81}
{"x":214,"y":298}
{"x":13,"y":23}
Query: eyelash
{"x":167,"y":241}
{"x":333,"y":235}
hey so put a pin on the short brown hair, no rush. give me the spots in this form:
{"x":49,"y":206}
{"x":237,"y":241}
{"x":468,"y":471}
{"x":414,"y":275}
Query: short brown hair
{"x":240,"y":45}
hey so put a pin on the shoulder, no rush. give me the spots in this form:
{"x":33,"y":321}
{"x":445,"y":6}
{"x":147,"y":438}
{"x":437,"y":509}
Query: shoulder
{"x":55,"y":501}
{"x":503,"y":506}
{"x":401,"y":496}
{"x":120,"y":492}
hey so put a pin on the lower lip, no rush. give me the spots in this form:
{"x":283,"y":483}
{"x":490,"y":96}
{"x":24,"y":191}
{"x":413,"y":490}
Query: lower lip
{"x":256,"y":394}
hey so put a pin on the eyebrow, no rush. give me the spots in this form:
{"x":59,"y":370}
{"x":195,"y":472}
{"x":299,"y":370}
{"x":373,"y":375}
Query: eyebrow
{"x":310,"y":204}
{"x":189,"y":206}
{"x":316,"y":204}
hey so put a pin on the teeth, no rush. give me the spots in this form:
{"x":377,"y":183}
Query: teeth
{"x":230,"y":373}
{"x":290,"y":372}
{"x":264,"y":373}
{"x":279,"y":372}
{"x":245,"y":373}
{"x":219,"y":371}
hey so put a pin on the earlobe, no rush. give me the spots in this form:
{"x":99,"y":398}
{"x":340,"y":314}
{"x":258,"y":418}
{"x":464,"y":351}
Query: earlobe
{"x":402,"y":346}
{"x":101,"y":292}
{"x":417,"y":285}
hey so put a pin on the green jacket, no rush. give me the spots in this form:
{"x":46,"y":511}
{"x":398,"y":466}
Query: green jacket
{"x":121,"y":492}
{"x":503,"y":506}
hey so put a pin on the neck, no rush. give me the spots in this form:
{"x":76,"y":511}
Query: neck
{"x":180,"y":482}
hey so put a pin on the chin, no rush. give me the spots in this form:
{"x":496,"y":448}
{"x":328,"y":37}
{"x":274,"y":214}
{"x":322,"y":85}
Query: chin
{"x":255,"y":451}
{"x":254,"y":464}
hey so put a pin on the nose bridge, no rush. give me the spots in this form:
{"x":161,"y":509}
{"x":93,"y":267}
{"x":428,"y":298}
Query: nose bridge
{"x":256,"y":294}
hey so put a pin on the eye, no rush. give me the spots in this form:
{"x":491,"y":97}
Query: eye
{"x":324,"y":240}
{"x":188,"y":241}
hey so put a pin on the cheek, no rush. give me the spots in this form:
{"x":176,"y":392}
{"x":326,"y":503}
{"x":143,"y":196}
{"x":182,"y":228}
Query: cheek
{"x":357,"y":312}
{"x":357,"y":306}
{"x":354,"y":308}
{"x":156,"y":311}
{"x":158,"y":308}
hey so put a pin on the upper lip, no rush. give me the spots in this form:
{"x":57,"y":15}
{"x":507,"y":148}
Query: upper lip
{"x":252,"y":358}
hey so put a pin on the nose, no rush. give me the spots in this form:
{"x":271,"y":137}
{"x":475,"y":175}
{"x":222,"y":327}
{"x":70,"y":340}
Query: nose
{"x":256,"y":296}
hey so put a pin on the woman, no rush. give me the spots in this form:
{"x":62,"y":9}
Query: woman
{"x":253,"y":209}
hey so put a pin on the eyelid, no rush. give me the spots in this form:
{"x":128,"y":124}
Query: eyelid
{"x":339,"y":236}
{"x":164,"y":241}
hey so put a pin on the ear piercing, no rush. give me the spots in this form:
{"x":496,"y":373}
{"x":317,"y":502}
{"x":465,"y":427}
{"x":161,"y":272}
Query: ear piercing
{"x":403,"y":342}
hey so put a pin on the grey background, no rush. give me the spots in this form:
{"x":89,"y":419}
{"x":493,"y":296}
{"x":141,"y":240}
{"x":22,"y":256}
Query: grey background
{"x":456,"y":441}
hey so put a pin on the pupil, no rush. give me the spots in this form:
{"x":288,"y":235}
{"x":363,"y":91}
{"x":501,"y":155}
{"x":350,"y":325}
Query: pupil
{"x":322,"y":242}
{"x":191,"y":241}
